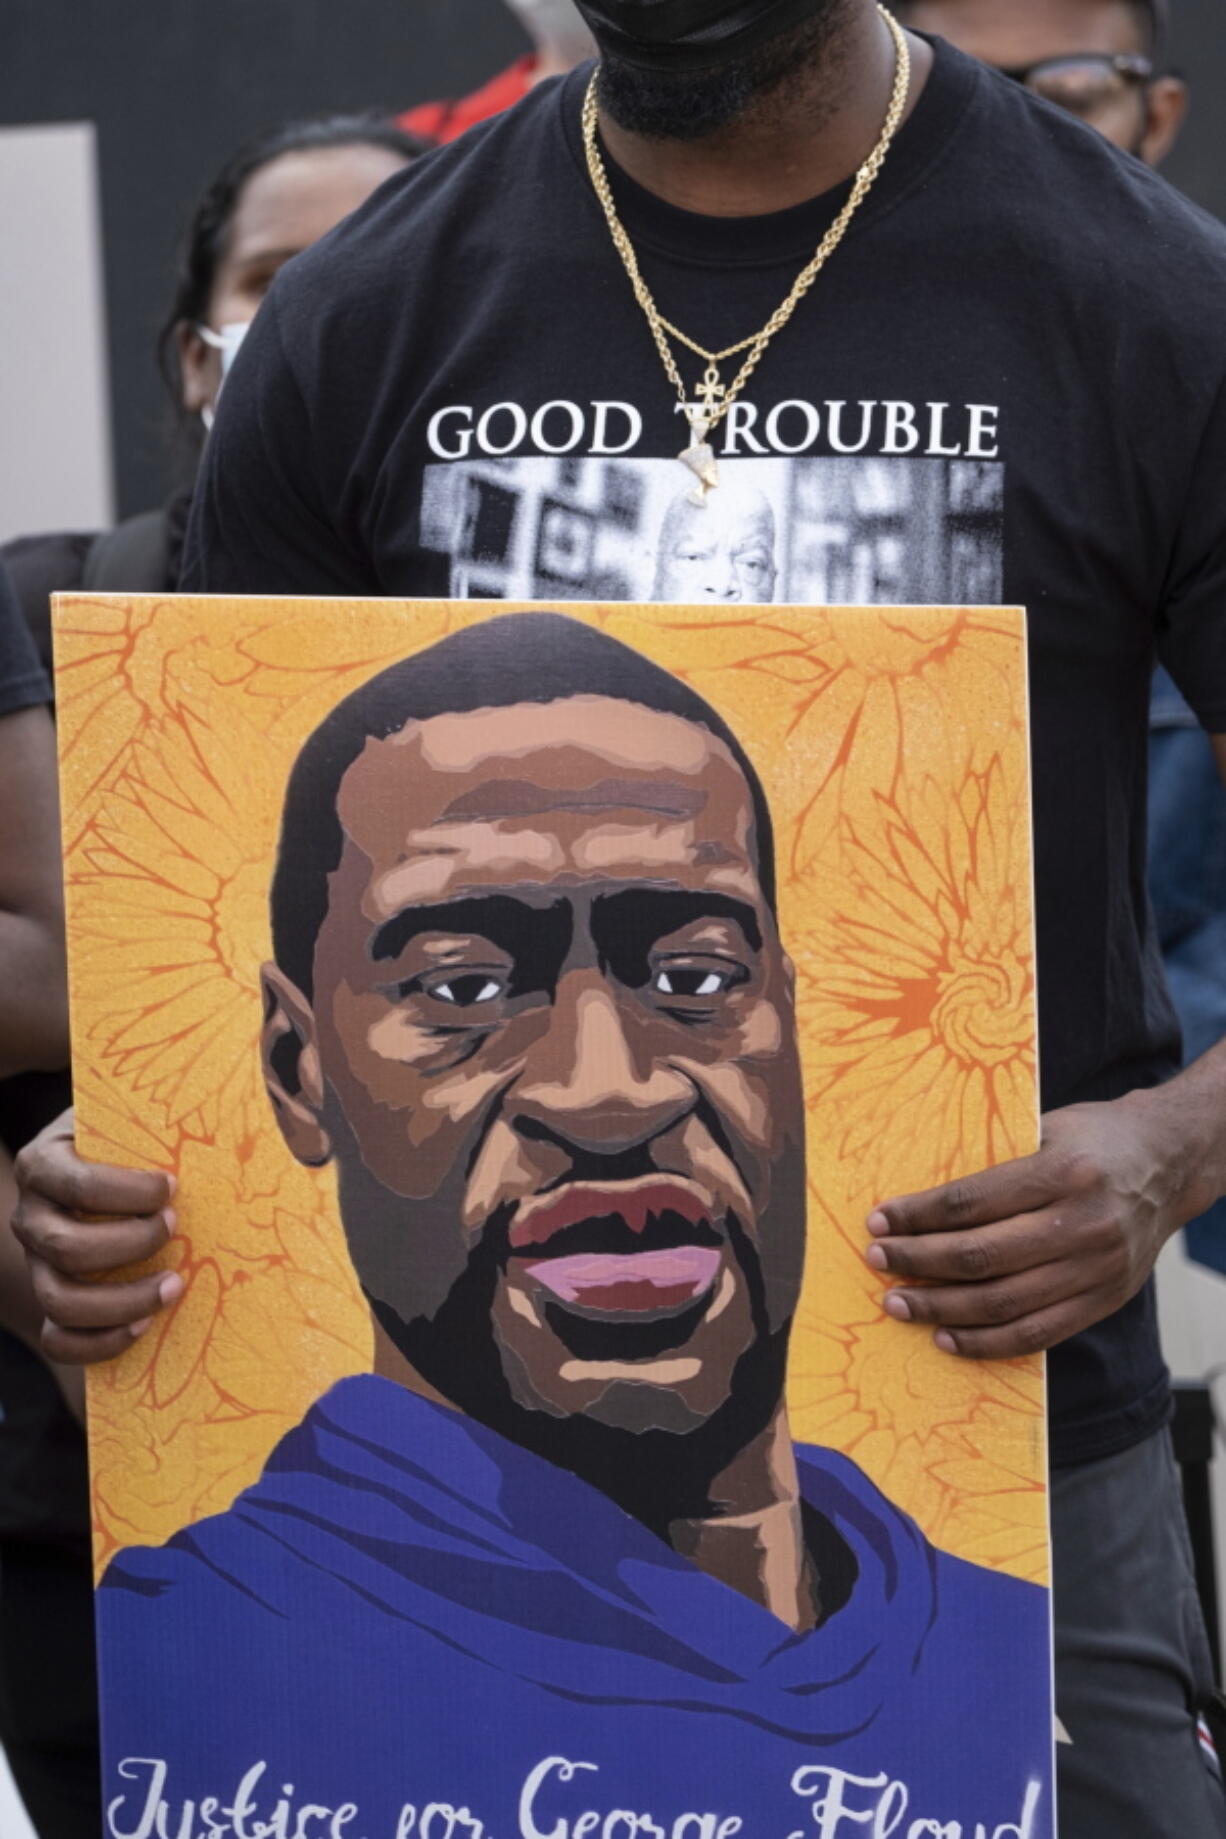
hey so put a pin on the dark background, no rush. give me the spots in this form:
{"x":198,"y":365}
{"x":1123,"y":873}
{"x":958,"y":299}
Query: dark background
{"x":174,"y":85}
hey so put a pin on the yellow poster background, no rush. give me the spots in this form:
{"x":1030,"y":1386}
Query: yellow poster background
{"x":892,"y":744}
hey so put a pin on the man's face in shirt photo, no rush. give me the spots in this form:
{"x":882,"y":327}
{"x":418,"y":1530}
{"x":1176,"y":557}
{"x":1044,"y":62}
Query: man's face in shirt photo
{"x":551,"y":1049}
{"x":723,"y":550}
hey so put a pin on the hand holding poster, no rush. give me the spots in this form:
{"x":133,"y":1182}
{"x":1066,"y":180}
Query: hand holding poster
{"x":617,"y":963}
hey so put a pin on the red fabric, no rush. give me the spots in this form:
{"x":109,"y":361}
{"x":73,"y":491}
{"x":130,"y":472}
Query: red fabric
{"x":444,"y":121}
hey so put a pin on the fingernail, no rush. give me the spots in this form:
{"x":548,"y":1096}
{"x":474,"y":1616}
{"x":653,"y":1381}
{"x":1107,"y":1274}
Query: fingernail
{"x":173,"y":1184}
{"x":878,"y":1225}
{"x":137,"y":1329}
{"x":170,"y":1219}
{"x":945,"y":1341}
{"x":897,"y":1305}
{"x":171,"y":1288}
{"x":876,"y":1256}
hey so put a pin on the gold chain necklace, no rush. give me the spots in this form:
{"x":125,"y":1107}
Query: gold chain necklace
{"x":716,"y":398}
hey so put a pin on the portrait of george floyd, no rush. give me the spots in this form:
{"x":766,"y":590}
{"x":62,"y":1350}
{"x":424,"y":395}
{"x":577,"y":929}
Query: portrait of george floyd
{"x":532,"y":1005}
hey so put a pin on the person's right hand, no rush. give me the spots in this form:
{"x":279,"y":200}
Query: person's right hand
{"x":79,"y":1222}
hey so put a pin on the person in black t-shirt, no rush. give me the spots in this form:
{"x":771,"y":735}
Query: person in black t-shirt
{"x":33,"y":994}
{"x":1006,"y":383}
{"x":1105,"y":63}
{"x":33,"y":1035}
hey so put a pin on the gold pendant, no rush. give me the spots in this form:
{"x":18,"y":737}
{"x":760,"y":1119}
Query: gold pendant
{"x":699,"y":456}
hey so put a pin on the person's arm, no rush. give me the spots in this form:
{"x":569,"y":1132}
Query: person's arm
{"x":33,"y":984}
{"x":1219,"y":748}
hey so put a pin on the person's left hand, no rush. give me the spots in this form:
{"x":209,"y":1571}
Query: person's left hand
{"x":1014,"y":1260}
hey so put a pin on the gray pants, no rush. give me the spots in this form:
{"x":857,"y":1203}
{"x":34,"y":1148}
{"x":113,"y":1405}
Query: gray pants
{"x":1132,"y":1659}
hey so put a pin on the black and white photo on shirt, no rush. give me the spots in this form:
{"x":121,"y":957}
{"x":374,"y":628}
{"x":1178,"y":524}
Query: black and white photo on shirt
{"x":811,"y":530}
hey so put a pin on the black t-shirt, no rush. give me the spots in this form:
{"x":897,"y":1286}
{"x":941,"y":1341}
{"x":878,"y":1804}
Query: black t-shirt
{"x":23,"y":681}
{"x":1006,"y":385}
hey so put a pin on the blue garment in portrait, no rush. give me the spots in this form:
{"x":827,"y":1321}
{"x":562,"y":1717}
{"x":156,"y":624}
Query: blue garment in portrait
{"x":1187,"y":884}
{"x":410,"y":1628}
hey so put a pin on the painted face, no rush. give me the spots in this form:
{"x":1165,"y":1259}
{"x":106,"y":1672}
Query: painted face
{"x":722,"y":551}
{"x":555,"y":1033}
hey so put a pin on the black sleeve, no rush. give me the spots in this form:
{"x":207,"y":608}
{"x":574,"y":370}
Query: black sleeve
{"x":39,"y":566}
{"x":1192,"y":630}
{"x":23,"y":681}
{"x":260,"y":523}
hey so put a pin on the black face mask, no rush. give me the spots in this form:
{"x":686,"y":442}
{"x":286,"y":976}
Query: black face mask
{"x":683,"y":35}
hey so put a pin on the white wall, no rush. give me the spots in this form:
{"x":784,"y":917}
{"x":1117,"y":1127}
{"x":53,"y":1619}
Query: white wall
{"x":13,"y":1821}
{"x":1192,"y":1313}
{"x":55,"y":451}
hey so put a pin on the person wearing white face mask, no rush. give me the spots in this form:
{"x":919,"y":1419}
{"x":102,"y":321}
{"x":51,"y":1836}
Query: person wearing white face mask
{"x":560,"y":40}
{"x":225,"y":343}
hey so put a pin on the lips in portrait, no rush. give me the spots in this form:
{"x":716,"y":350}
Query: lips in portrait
{"x":621,"y":1269}
{"x":629,"y":1301}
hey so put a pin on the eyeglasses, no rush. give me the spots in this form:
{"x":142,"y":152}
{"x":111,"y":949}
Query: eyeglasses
{"x":1085,"y":84}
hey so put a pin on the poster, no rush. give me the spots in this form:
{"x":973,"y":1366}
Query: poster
{"x":532,"y":1005}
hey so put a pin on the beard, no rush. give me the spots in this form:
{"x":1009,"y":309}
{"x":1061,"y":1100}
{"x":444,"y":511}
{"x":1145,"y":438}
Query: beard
{"x":689,"y":105}
{"x":656,"y":1474}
